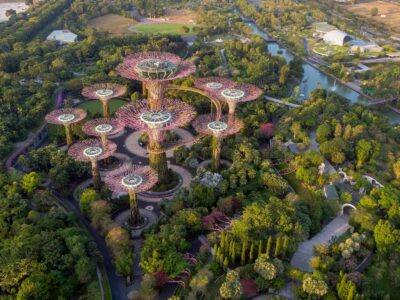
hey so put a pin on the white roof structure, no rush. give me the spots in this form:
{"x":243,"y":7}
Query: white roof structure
{"x":63,"y":36}
{"x":336,"y":37}
{"x":323,"y":27}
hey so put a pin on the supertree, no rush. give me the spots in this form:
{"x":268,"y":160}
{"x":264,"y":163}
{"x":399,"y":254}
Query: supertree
{"x":92,"y":150}
{"x":218,"y":129}
{"x":104,"y":92}
{"x":132,"y":179}
{"x":170,"y":114}
{"x":213,"y":84}
{"x":238,"y":93}
{"x":102,"y":128}
{"x":155,"y":70}
{"x":66,"y":117}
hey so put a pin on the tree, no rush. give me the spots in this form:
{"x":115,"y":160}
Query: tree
{"x":387,"y":237}
{"x":363,"y":151}
{"x":323,"y":133}
{"x":314,"y":286}
{"x":396,"y":169}
{"x":184,"y":30}
{"x":87,"y":197}
{"x":30,"y":182}
{"x":201,"y":280}
{"x":231,"y":288}
{"x":374,"y":11}
{"x":10,"y":12}
{"x":265,"y":267}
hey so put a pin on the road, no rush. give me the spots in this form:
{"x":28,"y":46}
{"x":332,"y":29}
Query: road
{"x":118,"y":288}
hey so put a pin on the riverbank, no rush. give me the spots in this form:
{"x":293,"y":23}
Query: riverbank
{"x":310,"y":62}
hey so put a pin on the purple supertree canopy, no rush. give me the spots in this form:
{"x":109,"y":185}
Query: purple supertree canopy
{"x":213,"y":84}
{"x":240,"y":92}
{"x":155,"y":66}
{"x":103,"y":127}
{"x":91,"y":149}
{"x":65,"y":116}
{"x":131,"y":178}
{"x":171,"y":114}
{"x":104,"y":91}
{"x":222,"y":127}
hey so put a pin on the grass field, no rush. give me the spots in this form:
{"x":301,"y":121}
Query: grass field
{"x":112,"y":23}
{"x":163,"y":28}
{"x":93,"y":107}
{"x":388,"y":12}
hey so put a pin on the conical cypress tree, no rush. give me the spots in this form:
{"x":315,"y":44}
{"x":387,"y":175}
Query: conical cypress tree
{"x":243,"y":256}
{"x":285,"y":245}
{"x":269,"y":242}
{"x":260,"y":245}
{"x":278,"y":246}
{"x":226,"y":262}
{"x":251,"y":254}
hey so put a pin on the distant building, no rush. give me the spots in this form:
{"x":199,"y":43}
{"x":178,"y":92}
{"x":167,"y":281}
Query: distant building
{"x":366,"y":48}
{"x":62,"y":36}
{"x":393,"y":54}
{"x":336,"y":37}
{"x":321,"y":28}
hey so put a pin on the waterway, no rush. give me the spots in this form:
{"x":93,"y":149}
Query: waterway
{"x":313,"y":78}
{"x":17,"y":6}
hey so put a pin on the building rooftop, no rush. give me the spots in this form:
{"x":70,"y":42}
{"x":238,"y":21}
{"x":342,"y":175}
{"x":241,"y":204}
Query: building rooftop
{"x":331,"y":192}
{"x":64,"y":36}
{"x":337,"y":37}
{"x":323,"y":27}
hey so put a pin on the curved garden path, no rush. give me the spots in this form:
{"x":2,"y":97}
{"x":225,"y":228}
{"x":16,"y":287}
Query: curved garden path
{"x":305,"y":251}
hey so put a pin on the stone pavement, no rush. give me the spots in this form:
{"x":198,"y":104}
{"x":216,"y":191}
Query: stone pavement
{"x":132,"y":145}
{"x":305,"y":251}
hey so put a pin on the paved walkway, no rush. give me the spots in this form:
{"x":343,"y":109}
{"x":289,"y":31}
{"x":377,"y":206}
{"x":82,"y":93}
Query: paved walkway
{"x":305,"y":251}
{"x":132,"y":142}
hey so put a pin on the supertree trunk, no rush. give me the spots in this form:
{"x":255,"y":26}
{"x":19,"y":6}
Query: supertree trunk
{"x":156,"y":92}
{"x":135,"y":218}
{"x":158,"y":161}
{"x":106,"y":108}
{"x":96,"y":175}
{"x":104,"y":141}
{"x":216,"y":153}
{"x":144,"y":90}
{"x":232,"y":108}
{"x":68,"y":134}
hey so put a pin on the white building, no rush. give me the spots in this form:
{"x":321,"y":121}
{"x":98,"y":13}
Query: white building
{"x":63,"y":36}
{"x":366,"y":48}
{"x":336,"y":37}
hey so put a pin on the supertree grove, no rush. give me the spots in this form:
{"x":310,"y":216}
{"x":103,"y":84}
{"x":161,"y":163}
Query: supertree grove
{"x":132,"y":179}
{"x":170,"y":114}
{"x":102,"y":128}
{"x":155,"y":70}
{"x":66,"y":117}
{"x":104,"y":92}
{"x":219,"y":129}
{"x":92,"y":150}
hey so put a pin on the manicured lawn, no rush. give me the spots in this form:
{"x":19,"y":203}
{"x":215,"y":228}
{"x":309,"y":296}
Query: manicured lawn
{"x":161,"y":28}
{"x":93,"y":107}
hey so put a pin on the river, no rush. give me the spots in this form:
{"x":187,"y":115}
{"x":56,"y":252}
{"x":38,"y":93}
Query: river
{"x":314,"y":78}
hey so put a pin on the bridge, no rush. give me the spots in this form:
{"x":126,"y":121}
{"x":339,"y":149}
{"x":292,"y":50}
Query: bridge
{"x":282,"y":102}
{"x":382,"y":101}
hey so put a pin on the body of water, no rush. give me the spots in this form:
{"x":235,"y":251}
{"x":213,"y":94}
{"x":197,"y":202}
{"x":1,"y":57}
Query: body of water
{"x":313,"y":78}
{"x":17,"y":6}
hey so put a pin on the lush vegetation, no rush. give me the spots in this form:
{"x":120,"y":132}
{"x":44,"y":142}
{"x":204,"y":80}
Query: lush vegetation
{"x":44,"y":253}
